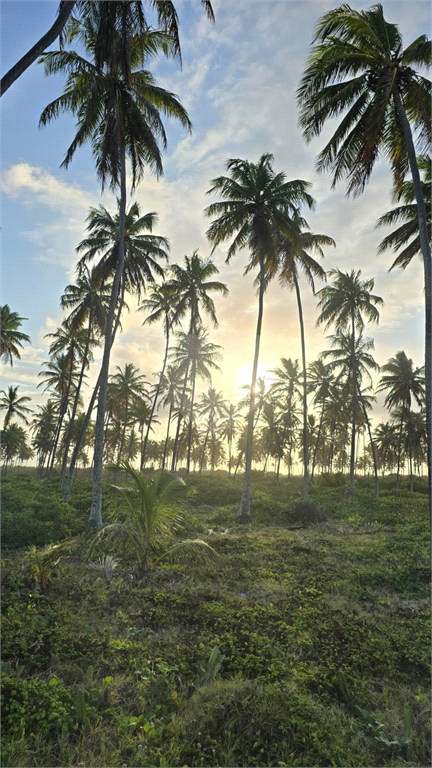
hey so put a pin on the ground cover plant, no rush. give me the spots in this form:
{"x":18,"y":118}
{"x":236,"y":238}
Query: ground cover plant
{"x":305,"y":642}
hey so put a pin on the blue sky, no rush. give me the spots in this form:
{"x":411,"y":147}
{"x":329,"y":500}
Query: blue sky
{"x":238,"y":83}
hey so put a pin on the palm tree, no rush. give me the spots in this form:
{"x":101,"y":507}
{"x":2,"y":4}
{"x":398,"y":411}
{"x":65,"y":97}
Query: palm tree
{"x":13,"y":442}
{"x":354,"y":361}
{"x":60,"y":377}
{"x":191,"y":286}
{"x":344,"y":304}
{"x":285,"y":389}
{"x":10,"y":338}
{"x":292,"y":258}
{"x":161,"y":306}
{"x":213,"y":406}
{"x":118,"y":109}
{"x":126,"y":384}
{"x":171,"y":389}
{"x":320,"y":382}
{"x":257,"y":205}
{"x":14,"y":405}
{"x":404,"y":383}
{"x":230,"y":428}
{"x":386,"y":102}
{"x":167,"y":19}
{"x":88,"y":299}
{"x":152,"y":518}
{"x":195,"y":356}
{"x":386,"y":441}
{"x":406,"y":238}
{"x":44,"y":428}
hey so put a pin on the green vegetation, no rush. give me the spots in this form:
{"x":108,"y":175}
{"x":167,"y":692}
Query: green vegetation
{"x":304,"y":643}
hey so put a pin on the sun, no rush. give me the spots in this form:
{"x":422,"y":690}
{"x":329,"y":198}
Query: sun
{"x":244,"y":375}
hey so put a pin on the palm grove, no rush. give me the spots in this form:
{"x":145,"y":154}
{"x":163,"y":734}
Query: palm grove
{"x":319,"y":413}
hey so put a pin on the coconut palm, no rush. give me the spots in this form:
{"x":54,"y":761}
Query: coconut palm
{"x":214,"y":406}
{"x":88,"y":300}
{"x":126,"y":384}
{"x":10,"y":337}
{"x":14,"y":405}
{"x":386,"y":441}
{"x":359,"y":67}
{"x":191,"y":286}
{"x":151,"y":519}
{"x":161,"y":305}
{"x":118,"y":108}
{"x":171,"y":390}
{"x":195,"y":357}
{"x":13,"y":442}
{"x":257,"y":204}
{"x":167,"y":19}
{"x":344,"y":303}
{"x":403,"y":383}
{"x":405,"y":238}
{"x":230,"y":427}
{"x":292,"y":259}
{"x":44,"y":428}
{"x":354,"y":361}
{"x":320,"y":382}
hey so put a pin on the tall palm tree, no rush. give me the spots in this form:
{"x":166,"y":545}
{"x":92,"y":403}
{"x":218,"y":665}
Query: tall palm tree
{"x":344,"y":303}
{"x":230,"y":427}
{"x":10,"y":337}
{"x":320,"y":382}
{"x":214,"y":406}
{"x":44,"y":427}
{"x":291,"y":259}
{"x":195,"y":357}
{"x":14,"y":405}
{"x":405,"y":238}
{"x":353,"y":359}
{"x":386,"y":441}
{"x":167,"y":19}
{"x":285,"y":388}
{"x":403,"y":383}
{"x":161,"y":305}
{"x":88,"y":301}
{"x":126,"y":384}
{"x":171,"y":390}
{"x":13,"y":443}
{"x":359,"y":67}
{"x":191,"y":286}
{"x":257,"y":204}
{"x":118,"y":108}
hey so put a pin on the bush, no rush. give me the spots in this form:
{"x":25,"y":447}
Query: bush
{"x":306,"y":513}
{"x":34,"y":513}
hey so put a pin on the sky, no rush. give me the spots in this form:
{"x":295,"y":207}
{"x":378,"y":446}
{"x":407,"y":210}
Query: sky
{"x":238,"y":82}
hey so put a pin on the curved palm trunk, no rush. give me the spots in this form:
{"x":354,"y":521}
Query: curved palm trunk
{"x":203,"y":450}
{"x":65,"y":10}
{"x":427,"y":266}
{"x":62,"y":413}
{"x":75,"y":406}
{"x":122,"y":439}
{"x":95,"y":519}
{"x":244,"y":513}
{"x":153,"y":408}
{"x":318,"y":439}
{"x":305,"y":430}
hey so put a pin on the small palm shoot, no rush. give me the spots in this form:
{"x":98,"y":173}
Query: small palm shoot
{"x":152,"y":519}
{"x":44,"y":563}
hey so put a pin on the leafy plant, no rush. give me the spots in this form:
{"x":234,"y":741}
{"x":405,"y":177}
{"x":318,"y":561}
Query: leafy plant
{"x":152,"y":519}
{"x":44,"y":562}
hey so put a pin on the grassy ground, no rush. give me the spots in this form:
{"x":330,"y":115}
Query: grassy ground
{"x":305,"y":643}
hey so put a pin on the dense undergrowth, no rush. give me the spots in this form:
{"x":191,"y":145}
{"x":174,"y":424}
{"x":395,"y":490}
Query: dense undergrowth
{"x":305,"y":643}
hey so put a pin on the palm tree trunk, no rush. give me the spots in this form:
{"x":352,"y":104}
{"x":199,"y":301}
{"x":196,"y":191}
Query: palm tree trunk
{"x":65,"y":10}
{"x":180,"y":416}
{"x":354,"y":388}
{"x":191,"y":417}
{"x":372,"y":445}
{"x":244,"y":513}
{"x":95,"y":519}
{"x":427,"y":265}
{"x":122,"y":439}
{"x":400,"y":446}
{"x":79,"y":442}
{"x":317,"y":440}
{"x":203,"y":450}
{"x":153,"y":408}
{"x":75,"y":406}
{"x":167,"y":436}
{"x":305,"y":430}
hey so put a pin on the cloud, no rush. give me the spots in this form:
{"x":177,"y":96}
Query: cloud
{"x":37,"y":185}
